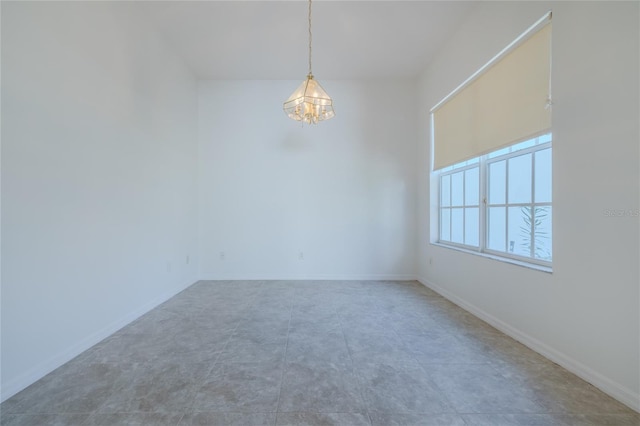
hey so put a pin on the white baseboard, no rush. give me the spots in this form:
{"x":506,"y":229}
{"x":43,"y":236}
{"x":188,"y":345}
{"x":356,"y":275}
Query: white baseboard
{"x":39,"y":371}
{"x":284,"y":277}
{"x":608,"y":386}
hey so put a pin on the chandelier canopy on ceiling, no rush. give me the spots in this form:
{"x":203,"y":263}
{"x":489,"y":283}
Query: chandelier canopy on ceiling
{"x":309,"y":103}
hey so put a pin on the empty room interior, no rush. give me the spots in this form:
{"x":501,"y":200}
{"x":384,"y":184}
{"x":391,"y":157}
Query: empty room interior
{"x":329,"y":213}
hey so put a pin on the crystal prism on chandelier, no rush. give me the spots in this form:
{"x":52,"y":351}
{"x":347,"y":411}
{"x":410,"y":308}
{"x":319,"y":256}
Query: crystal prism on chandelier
{"x":309,"y":103}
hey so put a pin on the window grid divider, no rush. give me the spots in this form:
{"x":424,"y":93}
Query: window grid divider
{"x":464,"y":209}
{"x":483,"y":193}
{"x":506,"y":209}
{"x":532,"y":249}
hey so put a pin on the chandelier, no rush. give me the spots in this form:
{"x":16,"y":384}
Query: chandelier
{"x":309,"y":103}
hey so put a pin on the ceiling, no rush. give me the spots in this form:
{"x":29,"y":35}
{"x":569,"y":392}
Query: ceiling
{"x":269,"y":39}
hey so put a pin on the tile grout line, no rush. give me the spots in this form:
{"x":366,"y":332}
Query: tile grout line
{"x":214,"y":364}
{"x":360,"y":387}
{"x":419,"y":363}
{"x":284,"y":362}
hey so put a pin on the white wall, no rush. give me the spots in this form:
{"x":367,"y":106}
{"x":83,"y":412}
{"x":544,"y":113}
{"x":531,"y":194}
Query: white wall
{"x":343,"y":193}
{"x":99,"y":198}
{"x":586,"y":314}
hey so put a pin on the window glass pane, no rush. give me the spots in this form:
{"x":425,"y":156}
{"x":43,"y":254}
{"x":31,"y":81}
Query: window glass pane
{"x":456,"y":189}
{"x":543,"y":176}
{"x":497,"y":227}
{"x":457,"y":226}
{"x":519,"y":240}
{"x":472,"y":161}
{"x":471,"y":187}
{"x":497,"y":176}
{"x":471,"y":226}
{"x":520,"y":179}
{"x":445,"y":191}
{"x":499,"y":152}
{"x":445,"y":224}
{"x":542,"y":229}
{"x":524,"y":145}
{"x":544,"y":138}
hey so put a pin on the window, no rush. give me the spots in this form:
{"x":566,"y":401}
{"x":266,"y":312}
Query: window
{"x":491,"y":153}
{"x":500,"y":203}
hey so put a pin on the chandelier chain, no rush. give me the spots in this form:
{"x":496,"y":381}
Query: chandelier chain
{"x":310,"y":37}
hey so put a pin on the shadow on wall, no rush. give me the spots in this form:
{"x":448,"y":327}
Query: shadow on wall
{"x":295,"y":141}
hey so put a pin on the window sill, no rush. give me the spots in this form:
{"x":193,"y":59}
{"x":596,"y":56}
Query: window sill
{"x":516,"y":262}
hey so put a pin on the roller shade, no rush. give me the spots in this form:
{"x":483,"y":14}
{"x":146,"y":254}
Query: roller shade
{"x":505,"y":102}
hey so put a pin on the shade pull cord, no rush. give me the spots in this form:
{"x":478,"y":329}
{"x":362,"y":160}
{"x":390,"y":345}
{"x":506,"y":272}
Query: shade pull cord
{"x":549,"y":95}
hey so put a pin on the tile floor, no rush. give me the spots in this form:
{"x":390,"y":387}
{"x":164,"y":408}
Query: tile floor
{"x":311,"y":353}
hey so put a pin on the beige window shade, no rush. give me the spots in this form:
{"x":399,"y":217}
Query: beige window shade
{"x":507,"y":102}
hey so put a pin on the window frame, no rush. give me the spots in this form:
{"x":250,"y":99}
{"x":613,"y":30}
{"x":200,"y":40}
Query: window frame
{"x":483,"y":163}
